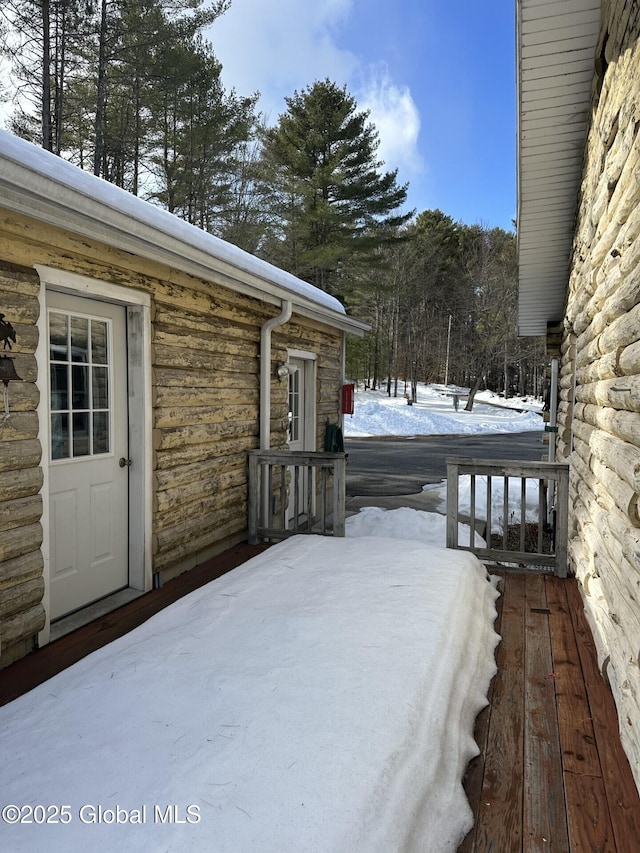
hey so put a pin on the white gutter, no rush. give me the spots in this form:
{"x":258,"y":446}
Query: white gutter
{"x":265,"y":371}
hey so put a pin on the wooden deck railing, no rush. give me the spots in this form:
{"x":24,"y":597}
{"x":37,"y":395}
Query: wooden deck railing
{"x":293,"y":492}
{"x":538,"y":540}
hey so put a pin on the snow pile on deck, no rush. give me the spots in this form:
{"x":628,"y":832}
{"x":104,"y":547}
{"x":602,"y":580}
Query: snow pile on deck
{"x":319,"y":698}
{"x":406,"y":523}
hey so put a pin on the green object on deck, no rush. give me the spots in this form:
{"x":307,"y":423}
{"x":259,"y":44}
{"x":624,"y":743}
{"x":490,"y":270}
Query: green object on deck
{"x":333,"y":439}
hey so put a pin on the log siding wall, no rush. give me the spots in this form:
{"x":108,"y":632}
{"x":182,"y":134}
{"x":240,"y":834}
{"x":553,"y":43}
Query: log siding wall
{"x":599,"y":409}
{"x":205,"y":386}
{"x":21,"y":583}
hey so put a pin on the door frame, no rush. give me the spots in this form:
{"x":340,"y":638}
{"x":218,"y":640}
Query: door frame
{"x":138,"y":308}
{"x":310,"y":360}
{"x":309,"y":427}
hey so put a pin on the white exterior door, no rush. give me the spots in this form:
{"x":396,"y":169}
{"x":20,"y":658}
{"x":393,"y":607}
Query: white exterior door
{"x":88,"y":451}
{"x":296,"y":404}
{"x":300,"y":437}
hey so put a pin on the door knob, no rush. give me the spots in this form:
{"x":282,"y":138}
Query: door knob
{"x":124,"y":463}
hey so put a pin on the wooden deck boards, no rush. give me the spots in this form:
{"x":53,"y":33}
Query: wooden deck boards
{"x":544,"y":819}
{"x":499,"y":804}
{"x":551,"y":774}
{"x":551,"y":728}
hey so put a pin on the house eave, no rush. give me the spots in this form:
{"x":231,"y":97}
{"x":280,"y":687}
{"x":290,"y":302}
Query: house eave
{"x":556,"y":45}
{"x":155,"y":235}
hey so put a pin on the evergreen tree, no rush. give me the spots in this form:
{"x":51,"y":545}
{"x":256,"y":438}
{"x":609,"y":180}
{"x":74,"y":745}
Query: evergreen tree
{"x":439,"y":271}
{"x":87,"y":74}
{"x":334,"y":204}
{"x":128,"y":44}
{"x":41,"y":40}
{"x":490,"y":342}
{"x":245,"y":220}
{"x":199,"y":132}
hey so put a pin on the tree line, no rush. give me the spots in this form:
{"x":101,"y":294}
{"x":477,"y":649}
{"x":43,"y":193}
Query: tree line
{"x":132,"y":91}
{"x":443,"y":309}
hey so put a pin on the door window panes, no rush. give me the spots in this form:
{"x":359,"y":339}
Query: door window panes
{"x":80,"y":386}
{"x":81,"y":444}
{"x":80,"y":377}
{"x":100,"y":432}
{"x":59,"y":436}
{"x":100,"y":387}
{"x":58,"y":337}
{"x":98,"y":342}
{"x":59,"y":387}
{"x":79,"y":339}
{"x":294,"y":405}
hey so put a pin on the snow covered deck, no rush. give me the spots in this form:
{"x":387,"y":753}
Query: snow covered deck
{"x":551,"y":774}
{"x":307,"y":700}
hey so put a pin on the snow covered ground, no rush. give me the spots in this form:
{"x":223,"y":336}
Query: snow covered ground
{"x":319,"y":698}
{"x":376,"y":414}
{"x":434,"y":414}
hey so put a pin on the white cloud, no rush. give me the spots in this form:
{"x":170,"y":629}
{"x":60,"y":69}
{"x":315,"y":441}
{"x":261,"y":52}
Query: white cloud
{"x":276,"y":48}
{"x":397,"y":119}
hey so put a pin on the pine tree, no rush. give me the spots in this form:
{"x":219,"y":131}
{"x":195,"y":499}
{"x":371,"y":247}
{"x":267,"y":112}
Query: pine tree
{"x":334,"y":202}
{"x":128,"y":44}
{"x":199,"y":132}
{"x":41,"y":39}
{"x":87,"y":74}
{"x":490,"y":323}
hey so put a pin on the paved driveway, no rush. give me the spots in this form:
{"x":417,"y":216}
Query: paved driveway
{"x":401,"y":466}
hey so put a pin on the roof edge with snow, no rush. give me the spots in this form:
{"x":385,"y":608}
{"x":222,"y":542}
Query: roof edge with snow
{"x":47,"y":188}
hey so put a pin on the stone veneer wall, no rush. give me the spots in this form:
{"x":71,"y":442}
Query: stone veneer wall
{"x":599,"y":409}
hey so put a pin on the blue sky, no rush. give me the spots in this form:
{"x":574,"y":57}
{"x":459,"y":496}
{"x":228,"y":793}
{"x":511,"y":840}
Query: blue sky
{"x":438,"y":77}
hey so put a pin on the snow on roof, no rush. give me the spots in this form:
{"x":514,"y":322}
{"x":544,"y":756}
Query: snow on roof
{"x":49,"y":169}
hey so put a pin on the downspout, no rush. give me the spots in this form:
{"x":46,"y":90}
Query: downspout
{"x":265,"y":397}
{"x":265,"y":372}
